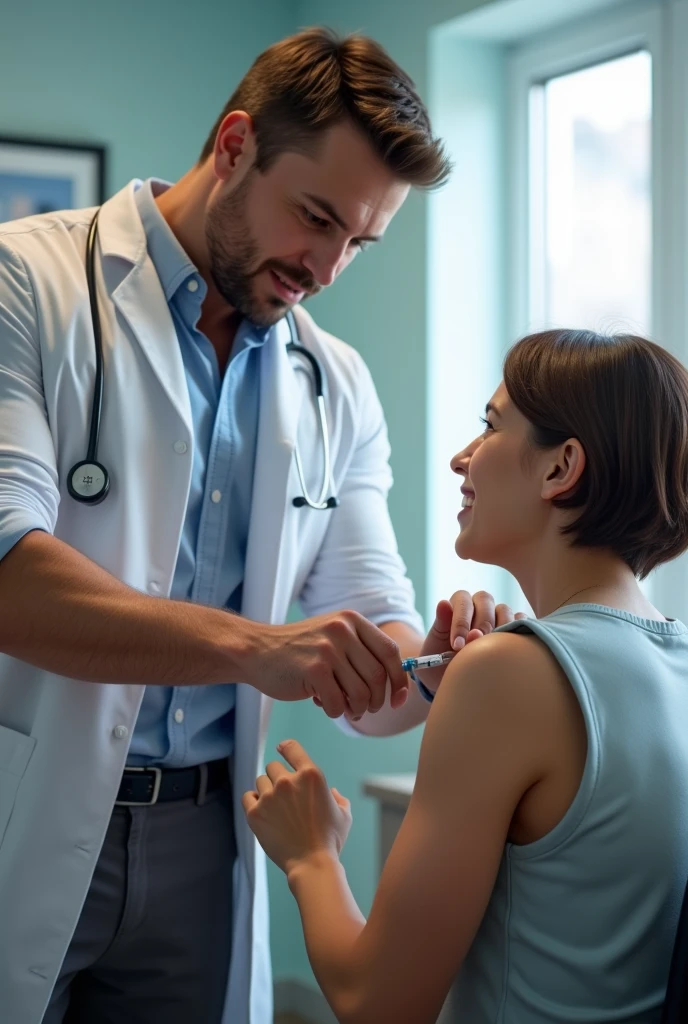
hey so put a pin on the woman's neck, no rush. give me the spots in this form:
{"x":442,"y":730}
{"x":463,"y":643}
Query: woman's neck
{"x":558,"y":574}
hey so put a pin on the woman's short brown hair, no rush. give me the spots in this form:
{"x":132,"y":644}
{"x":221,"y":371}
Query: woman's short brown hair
{"x":304,"y":85}
{"x":626,"y":400}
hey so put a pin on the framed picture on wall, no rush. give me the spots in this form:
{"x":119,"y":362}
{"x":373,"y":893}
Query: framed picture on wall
{"x":37,"y":176}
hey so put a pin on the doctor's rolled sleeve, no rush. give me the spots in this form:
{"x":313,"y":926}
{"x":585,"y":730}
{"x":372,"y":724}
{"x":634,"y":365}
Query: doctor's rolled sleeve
{"x":29,"y":494}
{"x":359,"y":565}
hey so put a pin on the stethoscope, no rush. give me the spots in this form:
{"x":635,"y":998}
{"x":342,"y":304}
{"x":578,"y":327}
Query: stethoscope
{"x":89,"y":481}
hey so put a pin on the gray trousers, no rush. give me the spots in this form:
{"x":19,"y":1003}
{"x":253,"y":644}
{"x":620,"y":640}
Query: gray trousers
{"x":153,"y":941}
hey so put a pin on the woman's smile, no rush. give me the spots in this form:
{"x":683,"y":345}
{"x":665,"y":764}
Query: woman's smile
{"x":467,"y":503}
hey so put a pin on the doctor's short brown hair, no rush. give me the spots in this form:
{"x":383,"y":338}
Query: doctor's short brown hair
{"x":625,"y":399}
{"x":300,"y":87}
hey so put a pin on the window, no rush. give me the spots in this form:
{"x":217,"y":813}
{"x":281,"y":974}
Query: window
{"x":587,"y":145}
{"x":590,"y":133}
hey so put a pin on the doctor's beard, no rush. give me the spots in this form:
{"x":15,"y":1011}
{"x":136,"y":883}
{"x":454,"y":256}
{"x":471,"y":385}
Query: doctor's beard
{"x":233,"y":255}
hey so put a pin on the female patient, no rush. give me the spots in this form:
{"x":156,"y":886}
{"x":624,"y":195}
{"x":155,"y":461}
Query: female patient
{"x":545,"y":850}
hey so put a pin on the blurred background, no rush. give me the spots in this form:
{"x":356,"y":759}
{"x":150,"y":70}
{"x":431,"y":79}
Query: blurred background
{"x":568,"y":206}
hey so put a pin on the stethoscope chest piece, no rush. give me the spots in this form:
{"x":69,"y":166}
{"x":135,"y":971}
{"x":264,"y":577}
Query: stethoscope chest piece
{"x":88,"y":482}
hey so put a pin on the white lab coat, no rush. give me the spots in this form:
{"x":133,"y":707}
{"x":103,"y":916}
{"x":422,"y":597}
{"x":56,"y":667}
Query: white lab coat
{"x":63,"y":744}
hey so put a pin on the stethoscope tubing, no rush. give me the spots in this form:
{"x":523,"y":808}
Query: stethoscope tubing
{"x":322,"y":503}
{"x":97,"y":408}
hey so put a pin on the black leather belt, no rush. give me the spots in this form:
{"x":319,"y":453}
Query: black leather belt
{"x":147,"y":786}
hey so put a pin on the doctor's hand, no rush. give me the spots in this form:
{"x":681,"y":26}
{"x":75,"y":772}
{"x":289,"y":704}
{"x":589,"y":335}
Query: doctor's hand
{"x":460,"y":621}
{"x":295,"y":816}
{"x":340,"y":659}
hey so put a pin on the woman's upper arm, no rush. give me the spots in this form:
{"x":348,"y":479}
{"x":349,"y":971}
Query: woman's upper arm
{"x":479,"y":755}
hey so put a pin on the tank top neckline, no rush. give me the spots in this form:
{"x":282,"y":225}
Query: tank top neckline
{"x":668,"y":627}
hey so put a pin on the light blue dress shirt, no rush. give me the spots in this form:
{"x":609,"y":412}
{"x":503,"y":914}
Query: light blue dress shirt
{"x":186,"y":725}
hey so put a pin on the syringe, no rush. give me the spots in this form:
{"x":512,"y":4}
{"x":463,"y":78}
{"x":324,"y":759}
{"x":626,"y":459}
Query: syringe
{"x":429,"y":661}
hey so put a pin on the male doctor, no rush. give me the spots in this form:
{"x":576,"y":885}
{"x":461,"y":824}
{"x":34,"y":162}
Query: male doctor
{"x":142,"y":637}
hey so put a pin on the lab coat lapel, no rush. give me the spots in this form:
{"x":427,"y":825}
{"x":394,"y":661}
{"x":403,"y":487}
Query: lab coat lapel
{"x":138,"y":295}
{"x":141,"y":301}
{"x":266,"y":561}
{"x":267,"y":591}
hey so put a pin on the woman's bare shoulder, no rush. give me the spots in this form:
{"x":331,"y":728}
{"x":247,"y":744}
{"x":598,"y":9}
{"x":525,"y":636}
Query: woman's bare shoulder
{"x":508,"y":672}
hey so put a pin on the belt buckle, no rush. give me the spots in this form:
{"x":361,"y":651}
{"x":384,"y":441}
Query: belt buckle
{"x":157,"y":772}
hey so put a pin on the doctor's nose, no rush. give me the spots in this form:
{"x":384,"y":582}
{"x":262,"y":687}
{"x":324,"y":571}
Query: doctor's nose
{"x":325,"y":266}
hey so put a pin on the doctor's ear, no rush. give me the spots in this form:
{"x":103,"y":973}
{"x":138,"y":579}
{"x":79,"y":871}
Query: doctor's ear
{"x":235,"y":145}
{"x":563,"y":469}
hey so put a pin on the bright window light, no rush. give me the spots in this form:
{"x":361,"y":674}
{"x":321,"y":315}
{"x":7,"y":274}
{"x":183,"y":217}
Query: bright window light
{"x":595,"y":171}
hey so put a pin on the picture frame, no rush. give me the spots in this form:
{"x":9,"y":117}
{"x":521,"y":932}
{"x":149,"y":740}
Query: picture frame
{"x":41,"y":175}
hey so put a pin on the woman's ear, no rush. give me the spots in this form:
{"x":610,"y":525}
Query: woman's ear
{"x":564,"y":469}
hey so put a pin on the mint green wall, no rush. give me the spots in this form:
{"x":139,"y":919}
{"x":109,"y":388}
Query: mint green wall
{"x":466,"y":284}
{"x":146,"y":78}
{"x":381,"y":307}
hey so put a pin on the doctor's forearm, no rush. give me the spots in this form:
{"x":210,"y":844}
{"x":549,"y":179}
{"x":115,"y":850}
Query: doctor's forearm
{"x":61,"y":612}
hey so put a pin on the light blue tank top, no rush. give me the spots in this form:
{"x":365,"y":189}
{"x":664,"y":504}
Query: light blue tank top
{"x":581,"y":924}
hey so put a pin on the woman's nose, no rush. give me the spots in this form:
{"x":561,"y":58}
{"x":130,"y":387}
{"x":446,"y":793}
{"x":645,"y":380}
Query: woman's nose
{"x":459,"y":464}
{"x":461,"y":461}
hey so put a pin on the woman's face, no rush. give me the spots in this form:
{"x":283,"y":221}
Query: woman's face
{"x":504,"y":506}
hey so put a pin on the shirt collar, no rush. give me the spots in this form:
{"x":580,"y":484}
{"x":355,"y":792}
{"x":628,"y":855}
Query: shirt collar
{"x":172,"y":263}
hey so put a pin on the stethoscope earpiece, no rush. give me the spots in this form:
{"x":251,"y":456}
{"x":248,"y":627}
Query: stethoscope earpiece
{"x":88,"y":481}
{"x":331,"y":502}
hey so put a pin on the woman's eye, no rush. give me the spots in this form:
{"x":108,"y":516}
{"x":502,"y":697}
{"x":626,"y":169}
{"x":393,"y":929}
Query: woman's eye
{"x":486,"y":424}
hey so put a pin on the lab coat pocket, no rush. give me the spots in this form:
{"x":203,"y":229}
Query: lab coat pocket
{"x":15,"y":753}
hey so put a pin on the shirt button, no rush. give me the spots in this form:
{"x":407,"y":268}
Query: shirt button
{"x":192,"y":285}
{"x":216,"y":496}
{"x":180,"y":447}
{"x":179,"y":716}
{"x":120,"y":732}
{"x":154,"y":587}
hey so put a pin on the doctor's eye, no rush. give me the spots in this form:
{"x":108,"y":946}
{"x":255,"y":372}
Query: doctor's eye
{"x":312,"y":218}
